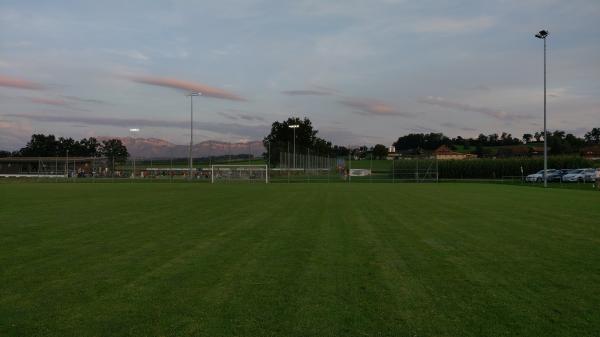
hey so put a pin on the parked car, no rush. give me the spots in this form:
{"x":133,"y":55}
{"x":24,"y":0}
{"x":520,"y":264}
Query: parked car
{"x":539,"y":176}
{"x":589,"y":175}
{"x":580,"y":175}
{"x":557,"y":175}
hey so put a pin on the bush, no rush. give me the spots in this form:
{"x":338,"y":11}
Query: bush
{"x":494,"y":168}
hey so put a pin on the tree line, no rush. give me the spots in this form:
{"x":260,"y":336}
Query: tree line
{"x":281,"y":139}
{"x":559,"y":142}
{"x":41,"y":145}
{"x":284,"y":137}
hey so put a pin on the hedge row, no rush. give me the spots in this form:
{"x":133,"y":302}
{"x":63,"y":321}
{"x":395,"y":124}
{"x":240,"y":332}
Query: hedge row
{"x":489,"y":168}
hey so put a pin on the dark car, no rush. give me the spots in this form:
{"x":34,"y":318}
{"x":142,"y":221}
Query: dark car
{"x":557,"y":175}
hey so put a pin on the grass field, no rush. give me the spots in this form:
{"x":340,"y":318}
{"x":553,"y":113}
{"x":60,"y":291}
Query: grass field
{"x":298,"y":260}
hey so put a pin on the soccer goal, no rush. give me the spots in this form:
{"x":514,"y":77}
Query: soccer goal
{"x":237,"y":173}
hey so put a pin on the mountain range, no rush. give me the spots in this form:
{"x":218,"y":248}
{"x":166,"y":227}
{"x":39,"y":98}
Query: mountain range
{"x":159,"y":148}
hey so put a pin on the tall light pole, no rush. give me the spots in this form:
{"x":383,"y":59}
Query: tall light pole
{"x":294,"y":127}
{"x":132,"y":133}
{"x":543,"y":34}
{"x":192,"y":94}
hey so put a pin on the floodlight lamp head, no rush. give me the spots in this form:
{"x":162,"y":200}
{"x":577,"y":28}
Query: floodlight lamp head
{"x":542,"y":34}
{"x":294,"y":126}
{"x":134,"y":130}
{"x":194,"y":93}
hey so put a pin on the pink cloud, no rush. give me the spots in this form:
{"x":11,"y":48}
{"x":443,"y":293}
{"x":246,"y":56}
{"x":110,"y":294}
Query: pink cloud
{"x":13,"y":135}
{"x":49,"y":101}
{"x":12,"y":82}
{"x":372,"y":107}
{"x":187,"y":86}
{"x":444,"y":103}
{"x":306,"y":92}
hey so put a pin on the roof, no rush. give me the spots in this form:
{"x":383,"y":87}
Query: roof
{"x":445,"y":151}
{"x":591,"y":150}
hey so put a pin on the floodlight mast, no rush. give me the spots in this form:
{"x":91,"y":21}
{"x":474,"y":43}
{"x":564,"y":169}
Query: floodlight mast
{"x":191,"y":95}
{"x":133,"y":132}
{"x":294,"y":127}
{"x":543,"y":34}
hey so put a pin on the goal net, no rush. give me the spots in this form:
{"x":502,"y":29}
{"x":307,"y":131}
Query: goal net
{"x":236,"y":173}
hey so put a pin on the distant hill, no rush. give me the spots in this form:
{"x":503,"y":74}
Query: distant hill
{"x":159,"y":148}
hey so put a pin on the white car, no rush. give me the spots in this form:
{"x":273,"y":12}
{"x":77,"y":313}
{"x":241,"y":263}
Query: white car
{"x":581,"y":175}
{"x":539,"y":176}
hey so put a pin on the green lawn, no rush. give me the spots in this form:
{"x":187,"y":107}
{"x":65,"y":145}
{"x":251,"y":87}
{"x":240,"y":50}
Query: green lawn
{"x":298,"y":260}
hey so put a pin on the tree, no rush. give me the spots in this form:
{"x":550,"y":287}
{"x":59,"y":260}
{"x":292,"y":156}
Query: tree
{"x":380,"y":151}
{"x":417,"y":141}
{"x":48,"y":146}
{"x":575,"y":142}
{"x":281,"y":139}
{"x":527,"y":137}
{"x":482,"y":140}
{"x":69,"y":145}
{"x":593,"y":137}
{"x":90,"y":147}
{"x":339,"y":151}
{"x":113,"y":149}
{"x":40,"y":146}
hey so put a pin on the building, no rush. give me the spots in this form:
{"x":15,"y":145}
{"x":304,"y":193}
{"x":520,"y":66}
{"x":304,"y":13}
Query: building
{"x":444,"y":153}
{"x":52,"y":166}
{"x":393,"y":156}
{"x":519,"y":151}
{"x":591,"y":152}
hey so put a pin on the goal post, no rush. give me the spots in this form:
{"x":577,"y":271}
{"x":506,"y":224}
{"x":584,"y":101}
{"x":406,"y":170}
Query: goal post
{"x":239,"y":173}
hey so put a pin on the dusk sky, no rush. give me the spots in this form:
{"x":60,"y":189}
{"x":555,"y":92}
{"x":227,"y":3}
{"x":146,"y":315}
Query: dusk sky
{"x":364,"y":72}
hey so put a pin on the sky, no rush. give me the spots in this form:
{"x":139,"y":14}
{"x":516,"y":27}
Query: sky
{"x":364,"y":72}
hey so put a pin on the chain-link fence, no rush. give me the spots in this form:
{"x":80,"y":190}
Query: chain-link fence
{"x":307,"y":167}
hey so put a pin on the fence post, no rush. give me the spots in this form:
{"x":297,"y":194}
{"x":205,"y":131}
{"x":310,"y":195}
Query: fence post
{"x":328,"y":168}
{"x":417,"y":172}
{"x":349,"y":163}
{"x":371,"y":166}
{"x":307,"y":164}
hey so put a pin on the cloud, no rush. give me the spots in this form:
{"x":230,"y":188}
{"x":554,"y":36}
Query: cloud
{"x":225,"y":128}
{"x":421,"y":128}
{"x":340,"y":135}
{"x":306,"y":92}
{"x":453,"y":26}
{"x":84,"y":100}
{"x":236,"y":115}
{"x":481,"y":87}
{"x":248,"y":117}
{"x":187,"y":86}
{"x":132,"y":54}
{"x":372,"y":108}
{"x":12,"y":82}
{"x":13,"y":134}
{"x":499,"y":114}
{"x":49,"y":101}
{"x":454,"y":126}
